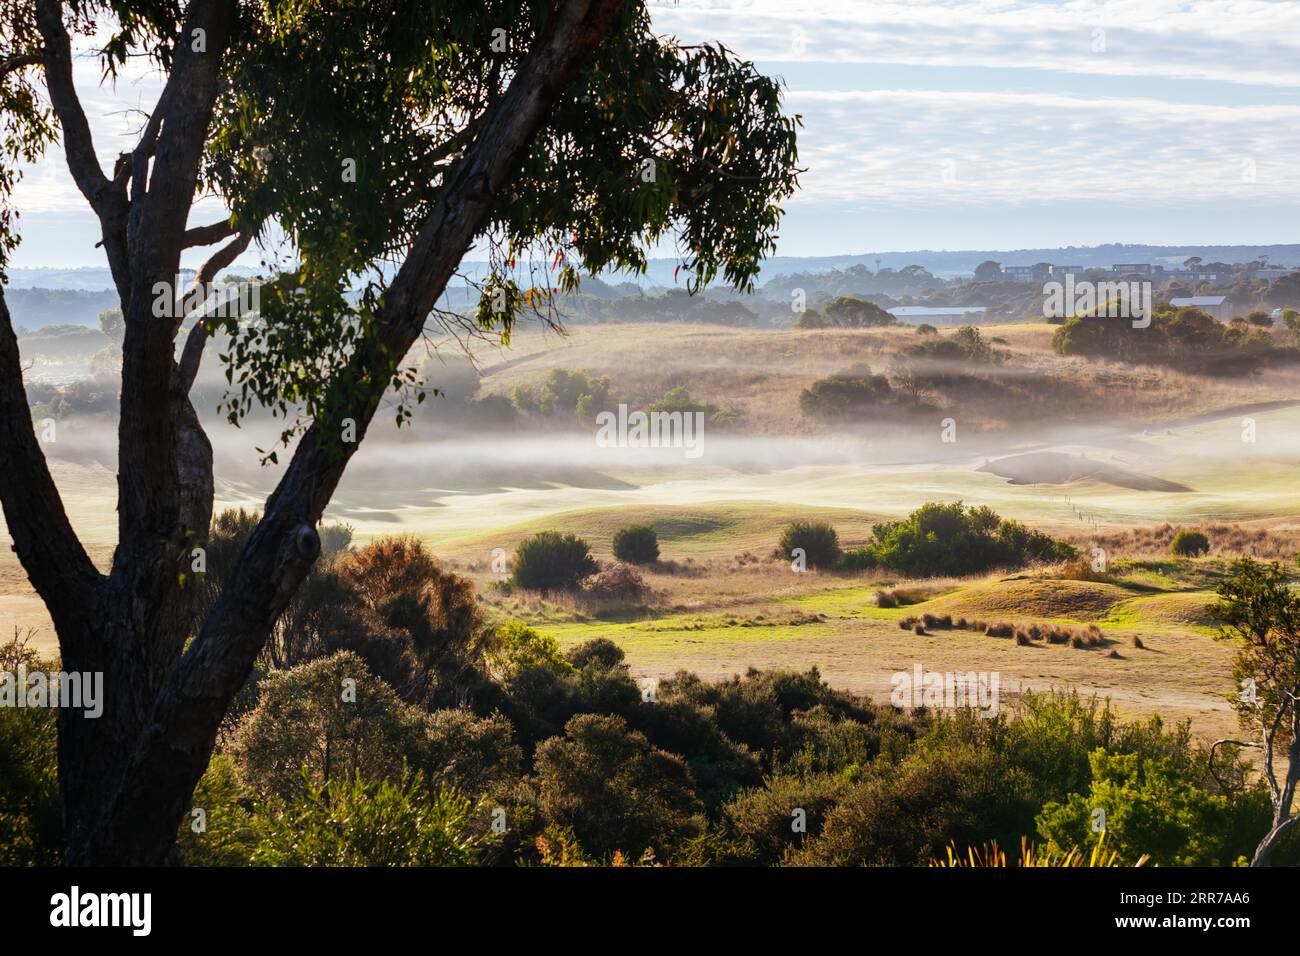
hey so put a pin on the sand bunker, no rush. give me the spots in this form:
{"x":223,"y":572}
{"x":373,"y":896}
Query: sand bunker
{"x":1058,"y":468}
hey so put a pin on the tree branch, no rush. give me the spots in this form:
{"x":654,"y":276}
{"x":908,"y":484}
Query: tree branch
{"x":207,"y":235}
{"x":20,"y":61}
{"x":55,"y":562}
{"x":77,"y":142}
{"x":107,"y":198}
{"x":197,"y":338}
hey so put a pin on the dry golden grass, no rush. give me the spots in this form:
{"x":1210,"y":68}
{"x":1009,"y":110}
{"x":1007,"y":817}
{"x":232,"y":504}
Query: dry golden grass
{"x":760,"y":373}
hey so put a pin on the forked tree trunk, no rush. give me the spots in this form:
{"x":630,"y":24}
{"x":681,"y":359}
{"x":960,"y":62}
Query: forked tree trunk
{"x":126,"y":778}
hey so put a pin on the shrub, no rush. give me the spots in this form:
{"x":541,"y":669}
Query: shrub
{"x":468,"y":754}
{"x":601,"y":653}
{"x":231,"y":831}
{"x":1189,"y":544}
{"x":965,"y":345}
{"x":417,"y":626}
{"x":851,"y":312}
{"x":903,"y":815}
{"x":619,"y":582}
{"x":615,"y":790}
{"x":636,"y":544}
{"x":859,"y":559}
{"x":31,"y":820}
{"x":846,"y":396}
{"x":550,"y":561}
{"x":312,"y":726}
{"x":951,"y":540}
{"x":516,"y":647}
{"x":1150,"y":809}
{"x":354,"y":822}
{"x":762,"y":817}
{"x":817,"y":539}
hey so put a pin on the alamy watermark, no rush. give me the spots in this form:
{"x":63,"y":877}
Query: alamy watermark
{"x":77,"y":690}
{"x":651,"y":430}
{"x":73,"y":909}
{"x":1113,"y":300}
{"x":218,"y":300}
{"x":947,"y":690}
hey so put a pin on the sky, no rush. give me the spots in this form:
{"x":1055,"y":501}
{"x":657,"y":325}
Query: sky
{"x":950,"y":124}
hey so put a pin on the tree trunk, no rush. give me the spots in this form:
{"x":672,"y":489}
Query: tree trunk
{"x":127,"y":777}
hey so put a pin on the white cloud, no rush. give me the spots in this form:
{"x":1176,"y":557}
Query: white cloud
{"x":974,"y":148}
{"x":1238,"y":41}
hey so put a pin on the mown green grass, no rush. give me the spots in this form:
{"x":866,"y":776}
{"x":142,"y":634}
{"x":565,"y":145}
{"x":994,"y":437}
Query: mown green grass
{"x":1184,"y":611}
{"x":715,"y":530}
{"x":680,"y":629}
{"x":1172,"y":574}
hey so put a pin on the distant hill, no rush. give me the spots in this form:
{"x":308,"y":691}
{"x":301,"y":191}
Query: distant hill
{"x":941,"y":262}
{"x":41,"y":307}
{"x":40,"y":297}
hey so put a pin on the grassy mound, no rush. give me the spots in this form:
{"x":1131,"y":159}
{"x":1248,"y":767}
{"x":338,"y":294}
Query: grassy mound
{"x":1023,"y":598}
{"x":1183,"y":611}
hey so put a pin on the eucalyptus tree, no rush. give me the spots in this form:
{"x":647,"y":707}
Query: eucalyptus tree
{"x":384,"y":139}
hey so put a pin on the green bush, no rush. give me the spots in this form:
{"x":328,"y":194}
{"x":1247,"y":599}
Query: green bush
{"x":615,"y":790}
{"x":518,"y":647}
{"x":818,"y":540}
{"x":764,"y":817}
{"x":1144,"y":807}
{"x":564,"y":392}
{"x":354,"y":822}
{"x":230,"y":830}
{"x":31,"y":823}
{"x":965,"y":345}
{"x":846,"y":396}
{"x":906,"y":814}
{"x":1187,"y":338}
{"x":320,"y":721}
{"x":1189,"y":544}
{"x":599,"y":652}
{"x":636,"y":544}
{"x":859,"y":559}
{"x":550,"y":561}
{"x":949,"y":539}
{"x":851,"y":312}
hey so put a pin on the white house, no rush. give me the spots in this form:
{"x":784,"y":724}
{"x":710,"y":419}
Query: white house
{"x":1215,"y":305}
{"x":937,"y":315}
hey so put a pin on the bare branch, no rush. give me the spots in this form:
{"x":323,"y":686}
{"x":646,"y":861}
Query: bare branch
{"x":207,"y":235}
{"x":77,"y":142}
{"x":21,"y":61}
{"x":1214,"y":749}
{"x":197,"y":338}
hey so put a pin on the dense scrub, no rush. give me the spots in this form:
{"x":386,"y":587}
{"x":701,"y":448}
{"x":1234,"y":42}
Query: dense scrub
{"x":951,"y":540}
{"x":1186,"y":339}
{"x":409,"y":731}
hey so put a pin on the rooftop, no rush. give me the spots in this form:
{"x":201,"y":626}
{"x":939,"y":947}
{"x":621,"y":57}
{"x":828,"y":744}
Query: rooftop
{"x":936,"y":310}
{"x":1199,"y":300}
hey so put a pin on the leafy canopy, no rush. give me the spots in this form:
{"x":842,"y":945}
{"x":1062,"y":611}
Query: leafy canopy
{"x":341,"y":121}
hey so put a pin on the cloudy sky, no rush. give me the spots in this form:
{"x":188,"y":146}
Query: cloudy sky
{"x":956,"y":124}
